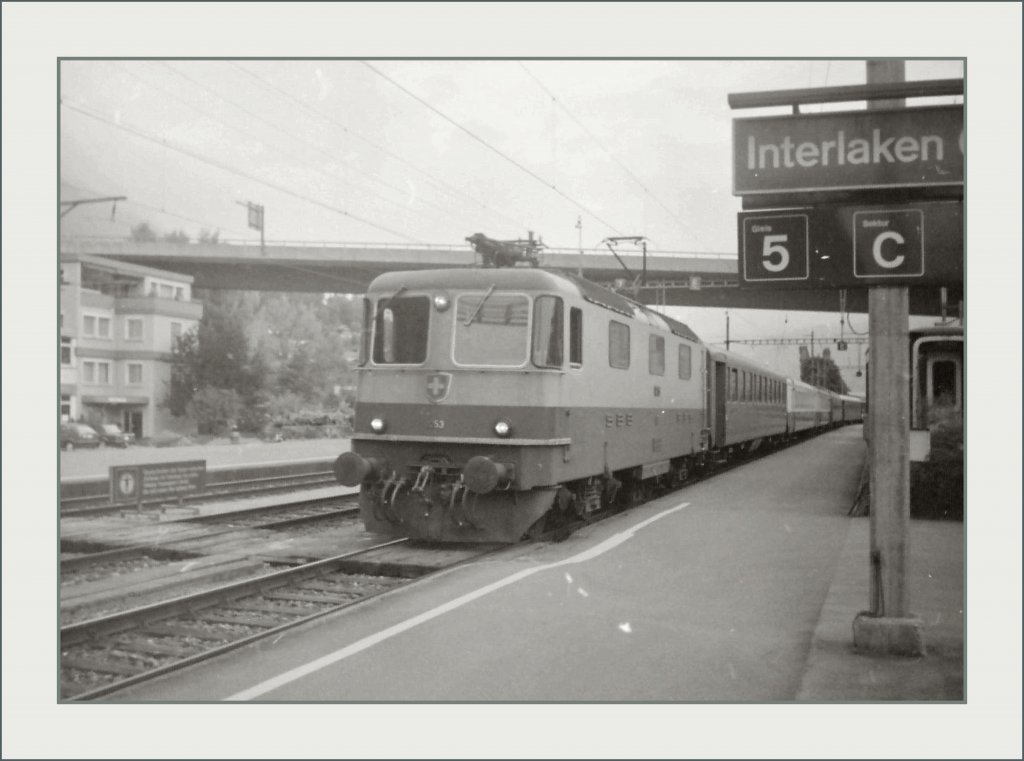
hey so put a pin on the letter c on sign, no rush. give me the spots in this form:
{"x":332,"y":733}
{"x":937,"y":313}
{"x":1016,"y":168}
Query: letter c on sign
{"x":876,"y":250}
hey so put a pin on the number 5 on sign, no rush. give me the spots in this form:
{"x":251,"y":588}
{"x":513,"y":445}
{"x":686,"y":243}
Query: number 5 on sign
{"x":775,"y":248}
{"x":773,"y":245}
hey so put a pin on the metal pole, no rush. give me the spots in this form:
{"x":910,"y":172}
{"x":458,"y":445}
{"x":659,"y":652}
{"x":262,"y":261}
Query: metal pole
{"x":727,"y":330}
{"x":579,"y":226}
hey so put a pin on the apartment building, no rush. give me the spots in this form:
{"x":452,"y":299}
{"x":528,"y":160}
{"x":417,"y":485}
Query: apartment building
{"x":118,"y":325}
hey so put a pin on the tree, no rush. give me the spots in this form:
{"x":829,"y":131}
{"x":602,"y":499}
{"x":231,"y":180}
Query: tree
{"x":143,"y":232}
{"x":822,"y":372}
{"x":178,"y":236}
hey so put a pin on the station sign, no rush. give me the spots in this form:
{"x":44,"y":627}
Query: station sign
{"x":852,"y":246}
{"x":849,"y":150}
{"x":138,"y":483}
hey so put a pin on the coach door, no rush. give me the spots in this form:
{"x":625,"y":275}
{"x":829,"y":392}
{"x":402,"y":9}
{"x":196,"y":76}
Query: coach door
{"x":720,"y":376}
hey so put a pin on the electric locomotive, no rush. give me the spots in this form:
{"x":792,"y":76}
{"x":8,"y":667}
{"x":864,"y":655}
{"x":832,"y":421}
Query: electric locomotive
{"x":493,"y":400}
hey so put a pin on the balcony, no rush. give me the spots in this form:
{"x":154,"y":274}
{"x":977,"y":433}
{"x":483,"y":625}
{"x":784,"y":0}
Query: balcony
{"x":192,"y":310}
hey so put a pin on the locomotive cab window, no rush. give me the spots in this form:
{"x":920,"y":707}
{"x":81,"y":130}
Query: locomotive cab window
{"x":618,"y":345}
{"x":575,"y":336}
{"x":656,"y":355}
{"x":492,"y":329}
{"x":400,"y":330}
{"x":547,"y":331}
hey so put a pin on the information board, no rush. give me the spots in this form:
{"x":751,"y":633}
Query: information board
{"x":141,"y":483}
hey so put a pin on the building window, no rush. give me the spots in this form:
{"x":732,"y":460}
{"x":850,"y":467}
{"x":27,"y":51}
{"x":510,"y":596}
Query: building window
{"x":175,"y":333}
{"x":94,"y":326}
{"x":134,"y":373}
{"x":618,"y":345}
{"x":65,"y":350}
{"x":685,"y":369}
{"x":166,"y":291}
{"x":133,"y":329}
{"x":656,"y":355}
{"x":179,"y":294}
{"x":65,"y":408}
{"x":96,"y":372}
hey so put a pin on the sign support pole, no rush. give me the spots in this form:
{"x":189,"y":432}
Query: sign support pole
{"x":888,"y":627}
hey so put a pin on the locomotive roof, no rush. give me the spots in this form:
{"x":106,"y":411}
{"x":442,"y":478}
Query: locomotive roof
{"x":528,"y":278}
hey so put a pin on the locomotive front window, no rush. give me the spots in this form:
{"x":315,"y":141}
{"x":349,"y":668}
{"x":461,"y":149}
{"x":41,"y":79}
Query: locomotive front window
{"x":400,"y":330}
{"x":547,"y":331}
{"x":492,"y":329}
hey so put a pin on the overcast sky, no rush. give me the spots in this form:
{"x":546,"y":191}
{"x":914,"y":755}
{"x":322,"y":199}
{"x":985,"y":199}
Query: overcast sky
{"x":433,"y":151}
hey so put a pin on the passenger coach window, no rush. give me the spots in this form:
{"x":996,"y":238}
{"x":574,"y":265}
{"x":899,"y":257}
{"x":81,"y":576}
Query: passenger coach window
{"x":685,"y":370}
{"x":734,"y":384}
{"x":492,"y":329}
{"x":656,"y":355}
{"x":547,"y":331}
{"x":400,"y":331}
{"x":618,"y":345}
{"x":575,"y":336}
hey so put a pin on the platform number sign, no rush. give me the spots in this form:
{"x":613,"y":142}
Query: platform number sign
{"x":888,"y":244}
{"x":775,"y":248}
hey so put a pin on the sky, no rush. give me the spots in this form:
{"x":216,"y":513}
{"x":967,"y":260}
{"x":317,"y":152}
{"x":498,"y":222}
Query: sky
{"x":390,"y":151}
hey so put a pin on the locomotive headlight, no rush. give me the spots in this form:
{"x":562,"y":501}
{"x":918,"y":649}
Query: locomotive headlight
{"x":503,"y":428}
{"x":377,"y":425}
{"x":441,"y":302}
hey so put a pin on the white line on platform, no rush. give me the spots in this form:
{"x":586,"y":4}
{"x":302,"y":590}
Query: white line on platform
{"x":374,"y":639}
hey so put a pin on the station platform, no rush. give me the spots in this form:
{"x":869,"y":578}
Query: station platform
{"x":742,"y":588}
{"x":83,"y":464}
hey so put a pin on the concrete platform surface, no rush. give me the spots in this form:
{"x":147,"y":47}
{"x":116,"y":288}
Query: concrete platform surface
{"x":94,"y":463}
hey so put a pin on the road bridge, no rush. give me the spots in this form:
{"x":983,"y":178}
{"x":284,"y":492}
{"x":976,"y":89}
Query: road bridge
{"x":670,"y":279}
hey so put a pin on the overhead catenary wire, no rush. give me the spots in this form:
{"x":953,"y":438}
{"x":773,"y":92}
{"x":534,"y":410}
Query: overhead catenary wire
{"x":284,"y":152}
{"x":448,"y":187}
{"x":233,"y":170}
{"x":130,"y":202}
{"x":498,"y":151}
{"x":609,"y":153}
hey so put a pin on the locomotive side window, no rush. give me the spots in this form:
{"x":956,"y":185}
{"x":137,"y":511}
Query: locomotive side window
{"x":364,"y":333}
{"x":547,"y":331}
{"x":400,"y":331}
{"x":685,"y":363}
{"x":575,"y":336}
{"x":618,"y":345}
{"x":492,"y":329}
{"x":656,"y":355}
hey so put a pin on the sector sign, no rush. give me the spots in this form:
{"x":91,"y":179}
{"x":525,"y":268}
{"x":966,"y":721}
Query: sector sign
{"x":852,"y":150}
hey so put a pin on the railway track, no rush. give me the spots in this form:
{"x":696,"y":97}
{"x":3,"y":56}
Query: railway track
{"x":99,"y":504}
{"x":103,"y":655}
{"x":79,"y":555}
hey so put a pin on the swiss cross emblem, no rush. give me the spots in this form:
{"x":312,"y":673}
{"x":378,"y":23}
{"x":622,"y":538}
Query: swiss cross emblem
{"x":438,"y":385}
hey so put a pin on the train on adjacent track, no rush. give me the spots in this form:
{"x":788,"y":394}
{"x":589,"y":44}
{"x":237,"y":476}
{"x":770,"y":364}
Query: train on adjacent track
{"x":493,"y":402}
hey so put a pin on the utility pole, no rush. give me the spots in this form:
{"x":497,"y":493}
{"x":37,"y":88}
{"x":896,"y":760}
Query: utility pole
{"x":727,"y":330}
{"x":888,"y":626}
{"x":579,"y":227}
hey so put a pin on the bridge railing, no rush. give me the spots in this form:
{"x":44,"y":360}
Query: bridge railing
{"x":245,"y":243}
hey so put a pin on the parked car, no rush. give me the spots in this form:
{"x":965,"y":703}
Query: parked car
{"x":112,"y":435}
{"x":73,"y":435}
